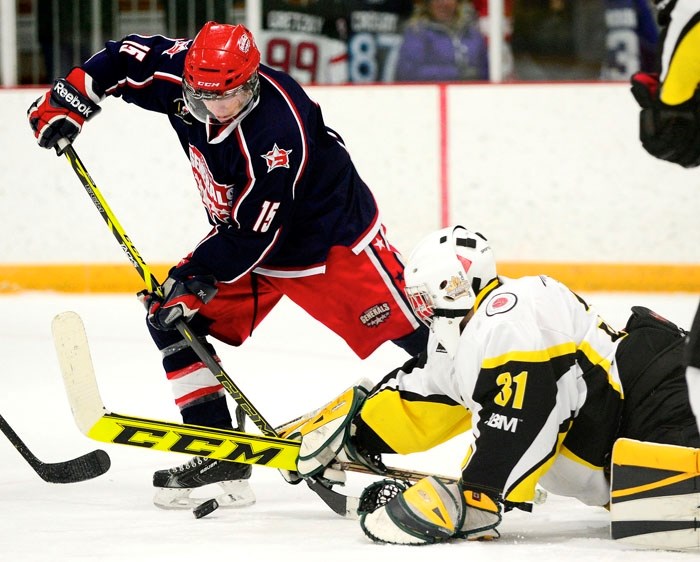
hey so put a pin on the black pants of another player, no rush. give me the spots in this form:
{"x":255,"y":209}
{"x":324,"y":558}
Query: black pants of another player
{"x":651,"y":364}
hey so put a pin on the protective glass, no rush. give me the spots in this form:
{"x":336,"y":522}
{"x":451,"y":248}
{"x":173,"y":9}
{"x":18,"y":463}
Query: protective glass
{"x":222,"y":107}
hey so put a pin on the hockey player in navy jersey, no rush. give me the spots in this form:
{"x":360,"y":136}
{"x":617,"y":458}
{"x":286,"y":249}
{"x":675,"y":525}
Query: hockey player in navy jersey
{"x":547,"y":388}
{"x":289,"y":215}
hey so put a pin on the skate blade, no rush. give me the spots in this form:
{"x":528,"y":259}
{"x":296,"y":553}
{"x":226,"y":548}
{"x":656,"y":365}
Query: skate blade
{"x":237,"y":493}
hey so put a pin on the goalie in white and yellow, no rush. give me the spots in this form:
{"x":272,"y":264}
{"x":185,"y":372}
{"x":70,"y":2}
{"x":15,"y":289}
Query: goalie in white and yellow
{"x":543,"y":383}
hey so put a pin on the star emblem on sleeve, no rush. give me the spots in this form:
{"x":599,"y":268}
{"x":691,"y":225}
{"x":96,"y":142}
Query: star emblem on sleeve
{"x":379,"y":243}
{"x":277,"y":158}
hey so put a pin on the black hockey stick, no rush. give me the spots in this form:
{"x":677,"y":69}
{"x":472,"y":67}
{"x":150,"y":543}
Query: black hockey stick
{"x":88,"y":466}
{"x":337,"y":502}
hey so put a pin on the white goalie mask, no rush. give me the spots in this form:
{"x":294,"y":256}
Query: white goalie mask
{"x":444,"y":274}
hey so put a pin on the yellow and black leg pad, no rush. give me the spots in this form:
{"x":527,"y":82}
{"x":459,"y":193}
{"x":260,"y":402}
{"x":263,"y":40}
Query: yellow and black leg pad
{"x":655,"y":495}
{"x":325,"y":434}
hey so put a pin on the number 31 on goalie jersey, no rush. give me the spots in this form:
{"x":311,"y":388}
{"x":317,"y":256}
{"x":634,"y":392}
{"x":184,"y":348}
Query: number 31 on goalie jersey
{"x":511,"y":387}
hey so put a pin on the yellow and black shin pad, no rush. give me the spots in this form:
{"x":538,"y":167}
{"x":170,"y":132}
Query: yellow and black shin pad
{"x":655,"y":495}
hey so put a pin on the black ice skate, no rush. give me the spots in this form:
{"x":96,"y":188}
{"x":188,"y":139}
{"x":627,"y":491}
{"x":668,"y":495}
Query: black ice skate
{"x":174,"y":485}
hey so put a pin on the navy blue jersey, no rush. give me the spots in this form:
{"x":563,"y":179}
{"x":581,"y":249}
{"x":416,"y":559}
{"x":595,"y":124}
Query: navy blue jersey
{"x":280,"y":189}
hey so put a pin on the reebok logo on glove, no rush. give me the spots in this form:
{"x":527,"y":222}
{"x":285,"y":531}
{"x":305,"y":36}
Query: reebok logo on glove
{"x":62,"y":110}
{"x":72,"y":98}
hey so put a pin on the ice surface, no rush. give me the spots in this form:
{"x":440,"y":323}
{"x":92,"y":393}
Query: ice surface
{"x":291,"y":364}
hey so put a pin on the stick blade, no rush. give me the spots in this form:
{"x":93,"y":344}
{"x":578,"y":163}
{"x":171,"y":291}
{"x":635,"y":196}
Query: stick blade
{"x":345,"y":506}
{"x":85,"y":467}
{"x":81,"y":468}
{"x":73,"y":351}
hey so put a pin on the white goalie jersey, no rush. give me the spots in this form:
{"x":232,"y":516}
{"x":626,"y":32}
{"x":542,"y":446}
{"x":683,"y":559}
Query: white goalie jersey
{"x":534,"y":377}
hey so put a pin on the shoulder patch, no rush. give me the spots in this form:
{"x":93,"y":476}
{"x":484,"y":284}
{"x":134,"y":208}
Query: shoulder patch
{"x":179,"y":46}
{"x":501,"y":303}
{"x":276,"y":158}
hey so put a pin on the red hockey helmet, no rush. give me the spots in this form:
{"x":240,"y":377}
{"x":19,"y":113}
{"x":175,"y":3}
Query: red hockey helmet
{"x":221,"y":65}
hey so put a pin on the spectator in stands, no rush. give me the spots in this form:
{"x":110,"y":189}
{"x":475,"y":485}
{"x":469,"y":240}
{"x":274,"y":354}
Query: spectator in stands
{"x":631,"y":39}
{"x":375,"y":33}
{"x":442,"y":42}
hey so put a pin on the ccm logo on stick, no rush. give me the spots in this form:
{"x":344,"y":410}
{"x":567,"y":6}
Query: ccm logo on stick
{"x":150,"y":438}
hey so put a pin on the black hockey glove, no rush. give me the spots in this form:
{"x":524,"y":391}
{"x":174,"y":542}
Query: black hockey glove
{"x":670,"y":133}
{"x":183,"y":295}
{"x":61,"y":112}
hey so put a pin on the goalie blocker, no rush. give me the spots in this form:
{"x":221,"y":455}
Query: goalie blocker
{"x":655,"y":495}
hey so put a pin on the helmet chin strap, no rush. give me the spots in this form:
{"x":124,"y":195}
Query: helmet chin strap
{"x":448,"y":313}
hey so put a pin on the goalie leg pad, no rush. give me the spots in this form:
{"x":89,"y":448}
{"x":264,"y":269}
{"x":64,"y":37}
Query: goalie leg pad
{"x":655,"y":495}
{"x":324,"y":435}
{"x":293,"y":426}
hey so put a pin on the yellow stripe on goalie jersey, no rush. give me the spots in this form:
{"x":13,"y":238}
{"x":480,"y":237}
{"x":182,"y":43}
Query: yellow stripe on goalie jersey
{"x":545,"y":355}
{"x":530,"y":356}
{"x":564,"y":452}
{"x":411,"y":426}
{"x":524,"y":491}
{"x":596,"y":359}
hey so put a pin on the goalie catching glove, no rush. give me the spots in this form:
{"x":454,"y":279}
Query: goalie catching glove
{"x":61,"y":112}
{"x":432,"y":511}
{"x":183,"y":294}
{"x":668,"y":132}
{"x":326,"y":438}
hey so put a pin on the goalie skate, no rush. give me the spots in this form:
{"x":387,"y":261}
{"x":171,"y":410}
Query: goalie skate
{"x":174,"y":485}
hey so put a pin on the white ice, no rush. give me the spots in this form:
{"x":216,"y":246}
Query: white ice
{"x":292,"y":364}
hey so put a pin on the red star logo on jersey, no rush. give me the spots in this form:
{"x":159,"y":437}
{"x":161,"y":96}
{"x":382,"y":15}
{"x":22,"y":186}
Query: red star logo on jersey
{"x":277,"y":158}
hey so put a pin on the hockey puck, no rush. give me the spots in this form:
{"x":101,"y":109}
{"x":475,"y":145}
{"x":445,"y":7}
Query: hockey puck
{"x":205,"y":508}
